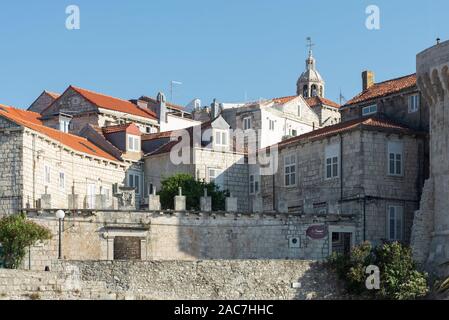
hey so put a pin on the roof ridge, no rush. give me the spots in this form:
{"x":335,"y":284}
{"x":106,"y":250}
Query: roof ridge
{"x":98,"y":93}
{"x":395,"y":79}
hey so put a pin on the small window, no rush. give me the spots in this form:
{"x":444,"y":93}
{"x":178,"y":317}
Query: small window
{"x":221,"y":138}
{"x":395,"y":223}
{"x":413,"y":103}
{"x":246,"y":123}
{"x":62,"y":180}
{"x":133,"y":143}
{"x":253,"y":184}
{"x":332,"y":161}
{"x":134,"y":182}
{"x":369,"y":110}
{"x":216,"y":176}
{"x":271,"y":124}
{"x":47,"y":172}
{"x":290,"y":170}
{"x":395,"y":159}
{"x":64,"y":125}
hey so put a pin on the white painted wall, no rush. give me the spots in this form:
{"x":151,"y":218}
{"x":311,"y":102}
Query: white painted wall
{"x":176,"y":123}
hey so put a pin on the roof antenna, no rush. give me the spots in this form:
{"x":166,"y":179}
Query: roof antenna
{"x":438,"y":41}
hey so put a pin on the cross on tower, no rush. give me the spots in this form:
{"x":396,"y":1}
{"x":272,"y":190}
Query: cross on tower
{"x":310,"y":45}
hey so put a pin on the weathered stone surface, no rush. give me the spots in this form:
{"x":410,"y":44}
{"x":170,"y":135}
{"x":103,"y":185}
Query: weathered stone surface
{"x":216,"y":279}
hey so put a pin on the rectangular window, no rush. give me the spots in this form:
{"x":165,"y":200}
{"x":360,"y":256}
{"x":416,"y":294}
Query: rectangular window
{"x":395,"y":220}
{"x":246,"y":123}
{"x":395,"y":158}
{"x":413,"y":103}
{"x":134,"y":182}
{"x":47,"y":173}
{"x":369,"y":110}
{"x":133,"y":143}
{"x":221,"y":138}
{"x":332,"y":154}
{"x":253,"y":184}
{"x":91,"y":192}
{"x":64,"y":125}
{"x":62,"y":180}
{"x":290,"y":170}
{"x":271,"y":125}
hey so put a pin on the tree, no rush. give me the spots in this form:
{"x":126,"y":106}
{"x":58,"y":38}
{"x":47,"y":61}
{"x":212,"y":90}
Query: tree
{"x":16,"y":234}
{"x":193,"y":190}
{"x":399,"y":277}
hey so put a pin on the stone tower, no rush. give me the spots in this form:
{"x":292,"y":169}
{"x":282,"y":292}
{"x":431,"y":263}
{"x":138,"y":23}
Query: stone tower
{"x":310,"y":83}
{"x":430,"y":234}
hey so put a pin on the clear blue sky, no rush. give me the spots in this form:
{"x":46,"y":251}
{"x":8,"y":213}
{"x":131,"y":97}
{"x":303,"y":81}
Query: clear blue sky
{"x":218,"y":49}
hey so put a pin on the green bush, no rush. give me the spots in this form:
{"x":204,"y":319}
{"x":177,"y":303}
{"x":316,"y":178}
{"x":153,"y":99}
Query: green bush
{"x":399,"y":278}
{"x":16,"y":234}
{"x":193,"y":190}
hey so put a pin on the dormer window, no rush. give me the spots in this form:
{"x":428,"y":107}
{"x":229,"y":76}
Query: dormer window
{"x":133,"y":143}
{"x":64,"y":124}
{"x":369,"y":110}
{"x":221,"y":138}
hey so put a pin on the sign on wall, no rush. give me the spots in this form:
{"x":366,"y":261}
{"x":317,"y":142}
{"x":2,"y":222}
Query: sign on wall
{"x":317,"y":231}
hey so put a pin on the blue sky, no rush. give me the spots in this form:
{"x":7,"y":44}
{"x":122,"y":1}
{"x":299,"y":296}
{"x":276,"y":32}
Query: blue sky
{"x":217,"y":49}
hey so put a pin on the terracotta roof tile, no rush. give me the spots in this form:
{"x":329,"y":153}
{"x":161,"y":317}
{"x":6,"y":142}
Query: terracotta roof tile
{"x":169,"y":104}
{"x":31,"y":120}
{"x":373,"y":122}
{"x":315,"y":101}
{"x":284,"y":99}
{"x":52,"y":94}
{"x":129,"y":127}
{"x":115,"y":104}
{"x":384,"y":88}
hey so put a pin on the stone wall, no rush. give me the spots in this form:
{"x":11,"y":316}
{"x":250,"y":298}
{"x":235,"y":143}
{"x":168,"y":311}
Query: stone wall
{"x":363,"y":188}
{"x":186,"y":236}
{"x":218,"y":279}
{"x":11,"y":167}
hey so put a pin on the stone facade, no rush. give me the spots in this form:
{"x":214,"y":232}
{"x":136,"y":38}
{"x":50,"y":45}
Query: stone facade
{"x":172,"y":280}
{"x":186,"y":236}
{"x":362,"y":186}
{"x":431,"y":230}
{"x":42,"y":172}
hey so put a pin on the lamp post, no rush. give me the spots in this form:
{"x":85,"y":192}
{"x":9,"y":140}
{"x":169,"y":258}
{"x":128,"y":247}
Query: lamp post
{"x":60,"y":215}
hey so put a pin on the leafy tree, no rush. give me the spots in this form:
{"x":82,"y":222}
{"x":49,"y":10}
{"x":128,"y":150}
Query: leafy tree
{"x":193,"y":190}
{"x":399,"y":278}
{"x":16,"y":234}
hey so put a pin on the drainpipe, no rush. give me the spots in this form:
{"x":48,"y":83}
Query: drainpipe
{"x":274,"y":193}
{"x":34,"y":171}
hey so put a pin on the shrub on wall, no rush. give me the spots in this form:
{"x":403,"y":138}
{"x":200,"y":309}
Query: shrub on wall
{"x":193,"y":190}
{"x":16,"y":234}
{"x":399,"y":278}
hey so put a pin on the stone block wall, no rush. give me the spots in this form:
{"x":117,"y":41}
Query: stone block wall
{"x":185,"y":280}
{"x":11,"y":167}
{"x":185,"y":236}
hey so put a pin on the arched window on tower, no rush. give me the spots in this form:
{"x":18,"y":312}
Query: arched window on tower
{"x":305,"y":91}
{"x":314,"y":90}
{"x":321,"y":91}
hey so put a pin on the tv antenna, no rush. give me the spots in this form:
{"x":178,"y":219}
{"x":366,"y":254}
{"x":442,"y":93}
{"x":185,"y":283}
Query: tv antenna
{"x":172,"y":83}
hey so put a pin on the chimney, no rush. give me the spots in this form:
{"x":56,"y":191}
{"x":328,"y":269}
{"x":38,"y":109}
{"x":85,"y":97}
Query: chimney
{"x":214,"y":109}
{"x":367,"y":79}
{"x":161,"y":109}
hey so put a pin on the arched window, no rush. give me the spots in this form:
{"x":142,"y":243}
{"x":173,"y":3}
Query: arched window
{"x":314,"y":90}
{"x":321,"y":91}
{"x":305,"y":91}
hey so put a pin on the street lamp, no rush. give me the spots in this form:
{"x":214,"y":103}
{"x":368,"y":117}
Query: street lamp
{"x":60,"y":214}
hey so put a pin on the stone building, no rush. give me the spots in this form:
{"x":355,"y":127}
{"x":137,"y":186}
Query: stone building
{"x":42,"y":102}
{"x":368,"y":167}
{"x":46,"y":168}
{"x":398,"y":99}
{"x":206,"y":152}
{"x":76,"y":107}
{"x":430,"y":240}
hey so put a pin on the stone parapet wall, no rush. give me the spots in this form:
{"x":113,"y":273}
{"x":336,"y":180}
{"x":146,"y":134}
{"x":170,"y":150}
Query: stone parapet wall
{"x":214,"y":279}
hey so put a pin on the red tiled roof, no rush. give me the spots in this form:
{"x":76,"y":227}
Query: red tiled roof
{"x":129,"y":127}
{"x":115,"y":104}
{"x":373,"y":122}
{"x":384,"y":88}
{"x":52,"y":94}
{"x":168,"y":104}
{"x":158,"y":135}
{"x":284,"y":99}
{"x":315,"y":101}
{"x":31,"y":120}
